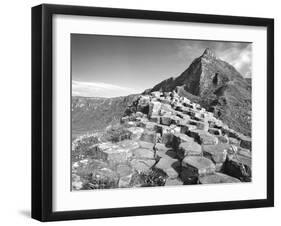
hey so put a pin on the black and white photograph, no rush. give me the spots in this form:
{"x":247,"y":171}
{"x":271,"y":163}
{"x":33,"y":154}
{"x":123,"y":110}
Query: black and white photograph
{"x":148,"y":112}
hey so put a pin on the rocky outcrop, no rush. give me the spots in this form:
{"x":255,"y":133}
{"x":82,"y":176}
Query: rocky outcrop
{"x":171,"y":141}
{"x":217,"y":86}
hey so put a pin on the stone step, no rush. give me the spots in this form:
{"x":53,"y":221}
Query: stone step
{"x":222,"y":139}
{"x":170,"y":119}
{"x":217,"y":153}
{"x":185,"y":128}
{"x":241,"y":157}
{"x":114,"y":153}
{"x":146,"y":145}
{"x":170,"y":166}
{"x":203,"y":137}
{"x":246,"y":142}
{"x":142,"y":165}
{"x":163,"y":151}
{"x":234,"y":141}
{"x":215,"y":131}
{"x":154,"y":108}
{"x":189,"y":148}
{"x":238,"y":169}
{"x":200,"y":125}
{"x":245,"y":152}
{"x":208,"y":139}
{"x":239,"y":164}
{"x":195,"y":166}
{"x":143,"y":153}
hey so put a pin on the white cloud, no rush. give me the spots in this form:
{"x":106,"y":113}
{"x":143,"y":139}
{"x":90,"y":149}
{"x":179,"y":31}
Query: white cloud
{"x":241,"y":59}
{"x":99,"y":89}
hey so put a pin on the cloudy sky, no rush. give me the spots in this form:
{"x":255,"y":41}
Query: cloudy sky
{"x":109,"y":66}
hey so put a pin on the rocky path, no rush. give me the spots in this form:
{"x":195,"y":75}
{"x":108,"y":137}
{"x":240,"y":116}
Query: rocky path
{"x":168,"y":140}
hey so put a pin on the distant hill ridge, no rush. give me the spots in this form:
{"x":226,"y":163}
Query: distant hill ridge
{"x":94,"y":114}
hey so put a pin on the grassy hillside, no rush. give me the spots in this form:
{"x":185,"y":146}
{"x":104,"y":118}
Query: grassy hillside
{"x":95,"y":114}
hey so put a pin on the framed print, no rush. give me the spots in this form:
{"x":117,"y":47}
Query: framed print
{"x":145,"y":112}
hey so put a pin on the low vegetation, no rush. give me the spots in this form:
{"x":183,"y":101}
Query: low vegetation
{"x":116,"y":133}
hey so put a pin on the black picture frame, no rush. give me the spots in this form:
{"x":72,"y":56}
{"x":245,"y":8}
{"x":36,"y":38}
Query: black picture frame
{"x":42,"y":107}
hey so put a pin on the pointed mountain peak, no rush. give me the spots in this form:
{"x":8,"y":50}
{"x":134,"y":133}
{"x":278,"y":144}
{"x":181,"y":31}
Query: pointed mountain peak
{"x":208,"y":53}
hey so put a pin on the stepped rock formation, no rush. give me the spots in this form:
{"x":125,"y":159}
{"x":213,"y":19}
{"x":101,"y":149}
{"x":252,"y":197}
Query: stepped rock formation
{"x":218,"y":87}
{"x":163,"y":139}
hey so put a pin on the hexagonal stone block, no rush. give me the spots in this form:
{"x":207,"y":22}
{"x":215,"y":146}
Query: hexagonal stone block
{"x":154,"y":108}
{"x":195,"y":133}
{"x":200,"y":125}
{"x":123,"y":170}
{"x":176,"y":119}
{"x":173,"y":182}
{"x":146,"y":145}
{"x":180,"y":138}
{"x":162,"y":151}
{"x":170,"y":166}
{"x":176,"y":129}
{"x":189,"y":148}
{"x":215,"y":131}
{"x":125,"y":173}
{"x":244,"y":152}
{"x":142,"y":165}
{"x":166,"y":108}
{"x":117,"y":155}
{"x":184,"y":117}
{"x":161,"y":147}
{"x":185,"y":128}
{"x":238,"y":168}
{"x":143,"y":153}
{"x":208,"y":139}
{"x":188,"y":111}
{"x":155,"y":118}
{"x":124,"y":182}
{"x":234,"y":141}
{"x":195,"y":166}
{"x":246,"y":142}
{"x":114,"y":153}
{"x":128,"y":144}
{"x":217,"y":153}
{"x":223,"y":139}
{"x":168,"y":139}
